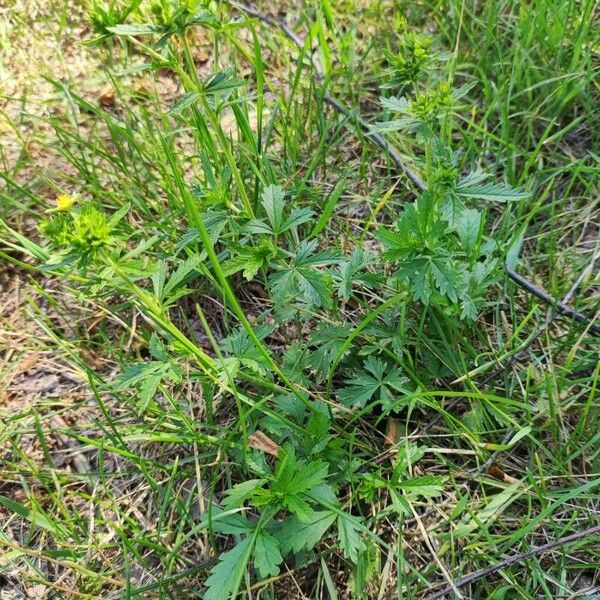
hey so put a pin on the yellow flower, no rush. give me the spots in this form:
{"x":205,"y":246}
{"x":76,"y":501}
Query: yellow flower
{"x":64,"y":202}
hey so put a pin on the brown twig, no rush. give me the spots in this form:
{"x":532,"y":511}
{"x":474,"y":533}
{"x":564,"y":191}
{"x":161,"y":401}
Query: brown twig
{"x":557,"y":305}
{"x":511,"y":560}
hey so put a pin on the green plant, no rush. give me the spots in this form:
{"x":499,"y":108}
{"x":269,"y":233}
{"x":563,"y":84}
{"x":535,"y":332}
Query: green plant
{"x":305,"y":365}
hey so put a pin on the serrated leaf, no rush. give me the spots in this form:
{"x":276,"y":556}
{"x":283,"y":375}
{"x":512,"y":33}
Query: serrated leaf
{"x":227,"y":522}
{"x":468,"y":225}
{"x":148,"y":391}
{"x":294,"y":476}
{"x":297,"y":217}
{"x":258,"y":226}
{"x":445,"y":279}
{"x":247,"y":261}
{"x":295,"y":535}
{"x":351,"y":542}
{"x":327,"y":340}
{"x":494,"y":192}
{"x":375,"y":382}
{"x":183,"y":270}
{"x":272,"y":201}
{"x":468,"y":308}
{"x":428,"y":486}
{"x":239,"y":493}
{"x":267,"y":556}
{"x":395,"y":104}
{"x":229,"y":571}
{"x":157,"y":348}
{"x":134,"y":29}
{"x":222,"y":81}
{"x":314,"y":287}
{"x":350,"y":272}
{"x":204,"y":17}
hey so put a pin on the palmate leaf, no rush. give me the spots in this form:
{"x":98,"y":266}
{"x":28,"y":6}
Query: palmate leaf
{"x":376,"y":382}
{"x":249,"y":259}
{"x":302,"y":280}
{"x":273,"y":202}
{"x":294,"y":476}
{"x":353,"y":271}
{"x":327,"y":340}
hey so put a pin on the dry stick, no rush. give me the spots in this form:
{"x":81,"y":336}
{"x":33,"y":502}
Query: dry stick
{"x":557,"y":305}
{"x":380,"y":141}
{"x":511,"y":432}
{"x":511,"y":560}
{"x":549,"y":319}
{"x":567,"y":298}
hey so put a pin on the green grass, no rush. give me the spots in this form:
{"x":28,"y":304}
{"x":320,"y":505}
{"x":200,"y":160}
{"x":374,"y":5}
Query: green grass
{"x":281,"y":370}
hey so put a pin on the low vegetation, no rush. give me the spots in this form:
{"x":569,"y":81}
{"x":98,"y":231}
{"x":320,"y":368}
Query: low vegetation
{"x":279,"y":255}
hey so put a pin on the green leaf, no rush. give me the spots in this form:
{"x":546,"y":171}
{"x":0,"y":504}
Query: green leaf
{"x":222,"y":81}
{"x":229,"y":571}
{"x":395,"y":104}
{"x":302,"y":280}
{"x":512,"y":254}
{"x":297,"y":217}
{"x":227,"y":522}
{"x":295,"y":535}
{"x":204,"y":17}
{"x":34,"y":516}
{"x":373,"y":383}
{"x":267,"y":556}
{"x":349,"y":528}
{"x":148,"y":391}
{"x":314,"y":287}
{"x":445,"y":278}
{"x":428,"y":486}
{"x":258,"y":226}
{"x":468,"y":226}
{"x":328,"y":209}
{"x":272,"y":200}
{"x":294,"y":476}
{"x":250,"y":259}
{"x":184,"y":269}
{"x":134,"y":29}
{"x":182,"y":103}
{"x":351,"y":272}
{"x":471,"y":186}
{"x":239,"y":493}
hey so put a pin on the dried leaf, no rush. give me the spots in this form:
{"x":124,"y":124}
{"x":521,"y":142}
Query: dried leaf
{"x":260,"y":441}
